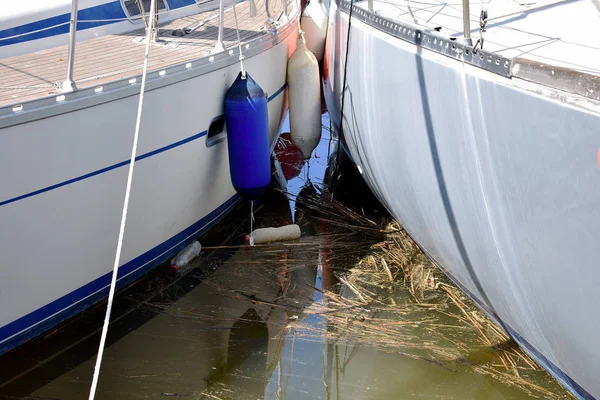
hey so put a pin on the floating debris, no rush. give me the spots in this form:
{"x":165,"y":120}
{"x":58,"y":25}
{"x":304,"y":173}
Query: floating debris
{"x":386,"y":293}
{"x":351,"y":309}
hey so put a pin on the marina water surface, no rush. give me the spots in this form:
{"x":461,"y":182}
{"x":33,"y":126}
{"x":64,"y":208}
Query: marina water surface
{"x":352,"y":310}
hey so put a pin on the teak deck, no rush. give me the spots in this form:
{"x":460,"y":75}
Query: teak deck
{"x":108,"y":58}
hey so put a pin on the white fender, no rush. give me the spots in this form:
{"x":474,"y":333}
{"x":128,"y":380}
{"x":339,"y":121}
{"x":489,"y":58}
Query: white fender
{"x":314,"y":24}
{"x":304,"y":94}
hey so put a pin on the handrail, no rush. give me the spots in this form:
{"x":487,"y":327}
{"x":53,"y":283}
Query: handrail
{"x":179,"y":69}
{"x":155,"y":32}
{"x":220,"y":46}
{"x":69,"y":85}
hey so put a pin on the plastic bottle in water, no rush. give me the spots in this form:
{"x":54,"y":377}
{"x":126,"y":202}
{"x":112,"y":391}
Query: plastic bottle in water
{"x":186,"y":255}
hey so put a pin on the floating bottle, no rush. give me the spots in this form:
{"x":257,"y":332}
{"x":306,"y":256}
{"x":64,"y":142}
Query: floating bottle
{"x":186,"y":255}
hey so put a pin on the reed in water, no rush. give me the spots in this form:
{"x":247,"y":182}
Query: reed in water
{"x":389,"y":294}
{"x":377,"y":288}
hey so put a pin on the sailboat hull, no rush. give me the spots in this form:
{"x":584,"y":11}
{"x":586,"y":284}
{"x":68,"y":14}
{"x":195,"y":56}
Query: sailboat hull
{"x":495,"y":178}
{"x":63,"y":168}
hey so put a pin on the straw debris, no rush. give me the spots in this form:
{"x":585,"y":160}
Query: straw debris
{"x":395,"y":298}
{"x":377,"y":288}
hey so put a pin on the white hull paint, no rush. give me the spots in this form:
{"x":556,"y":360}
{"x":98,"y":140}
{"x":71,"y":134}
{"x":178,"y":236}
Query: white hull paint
{"x":63,"y":185}
{"x":495,"y":178}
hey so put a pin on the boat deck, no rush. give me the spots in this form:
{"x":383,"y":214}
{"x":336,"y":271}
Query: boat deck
{"x":561,"y":33}
{"x":108,"y":58}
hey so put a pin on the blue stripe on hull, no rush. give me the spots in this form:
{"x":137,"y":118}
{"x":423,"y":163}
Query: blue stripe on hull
{"x":180,"y":3}
{"x":59,"y":24}
{"x":69,"y":305}
{"x":38,"y":321}
{"x":277,"y":93}
{"x":112,"y":10}
{"x":103,"y":170}
{"x":122,"y":163}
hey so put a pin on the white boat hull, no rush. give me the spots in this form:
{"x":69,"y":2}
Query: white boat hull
{"x":63,"y":180}
{"x":495,"y":178}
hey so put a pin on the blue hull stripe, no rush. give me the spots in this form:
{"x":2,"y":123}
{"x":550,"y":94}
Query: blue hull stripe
{"x":103,"y":170}
{"x":40,"y":320}
{"x":57,"y":311}
{"x":179,"y":3}
{"x":119,"y":164}
{"x":277,"y":93}
{"x":60,"y":24}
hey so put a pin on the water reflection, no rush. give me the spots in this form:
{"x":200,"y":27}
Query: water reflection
{"x":274,"y":322}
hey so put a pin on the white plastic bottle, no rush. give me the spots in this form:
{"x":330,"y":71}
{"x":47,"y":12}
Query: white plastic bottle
{"x":186,"y":255}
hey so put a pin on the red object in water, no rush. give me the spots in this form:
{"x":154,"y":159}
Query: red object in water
{"x":325,"y":64}
{"x":174,"y":268}
{"x":289,"y":156}
{"x":323,"y":103}
{"x":325,"y":79}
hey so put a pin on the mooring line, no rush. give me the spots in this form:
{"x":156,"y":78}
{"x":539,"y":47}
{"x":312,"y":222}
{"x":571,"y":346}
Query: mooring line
{"x":113,"y":283}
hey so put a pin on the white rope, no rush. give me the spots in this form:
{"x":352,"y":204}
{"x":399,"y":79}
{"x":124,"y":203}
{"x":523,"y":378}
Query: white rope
{"x":411,"y":12}
{"x":251,"y":222}
{"x":237,"y":29}
{"x":113,"y":283}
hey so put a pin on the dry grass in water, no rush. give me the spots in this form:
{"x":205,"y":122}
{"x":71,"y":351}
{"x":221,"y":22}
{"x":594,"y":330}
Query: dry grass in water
{"x":395,"y":298}
{"x":385,"y":293}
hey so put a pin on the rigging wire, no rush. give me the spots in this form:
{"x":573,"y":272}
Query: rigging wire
{"x":341,"y":134}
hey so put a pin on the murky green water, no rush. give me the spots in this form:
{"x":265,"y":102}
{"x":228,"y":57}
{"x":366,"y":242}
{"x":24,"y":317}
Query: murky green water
{"x":317,"y":318}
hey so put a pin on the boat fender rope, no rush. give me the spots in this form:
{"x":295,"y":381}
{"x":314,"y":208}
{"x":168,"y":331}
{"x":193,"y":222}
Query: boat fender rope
{"x":237,"y":30}
{"x":113,"y":282}
{"x":251,"y":240}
